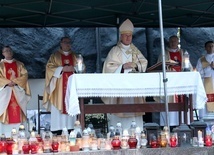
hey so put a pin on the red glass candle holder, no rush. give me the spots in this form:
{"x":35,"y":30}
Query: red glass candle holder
{"x":55,"y":146}
{"x":132,"y":142}
{"x":115,"y":143}
{"x":9,"y":146}
{"x":26,"y":148}
{"x":1,"y":147}
{"x":154,"y":144}
{"x":4,"y":145}
{"x":173,"y":141}
{"x":39,"y":138}
{"x":34,"y":148}
{"x":208,"y":140}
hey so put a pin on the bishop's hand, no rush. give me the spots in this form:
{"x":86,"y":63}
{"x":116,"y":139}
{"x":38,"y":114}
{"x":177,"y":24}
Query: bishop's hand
{"x":129,"y":65}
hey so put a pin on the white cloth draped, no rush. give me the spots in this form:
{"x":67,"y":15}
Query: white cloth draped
{"x":125,"y":85}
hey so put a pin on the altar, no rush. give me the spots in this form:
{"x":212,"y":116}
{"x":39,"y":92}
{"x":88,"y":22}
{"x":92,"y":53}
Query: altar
{"x":133,"y":85}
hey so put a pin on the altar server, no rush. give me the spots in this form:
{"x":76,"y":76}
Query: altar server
{"x":205,"y":66}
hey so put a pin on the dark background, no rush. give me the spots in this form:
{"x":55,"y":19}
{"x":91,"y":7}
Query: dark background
{"x":33,"y":46}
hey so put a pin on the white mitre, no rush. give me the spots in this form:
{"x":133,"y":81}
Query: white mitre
{"x":126,"y":27}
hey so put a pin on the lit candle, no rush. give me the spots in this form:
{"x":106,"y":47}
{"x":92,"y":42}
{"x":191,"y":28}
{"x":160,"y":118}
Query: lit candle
{"x":85,"y":140}
{"x":13,"y":131}
{"x":108,"y":145}
{"x":186,"y":62}
{"x":1,"y":147}
{"x":199,"y":134}
{"x":94,"y":144}
{"x":9,"y":146}
{"x":40,"y":147}
{"x":208,"y":140}
{"x":63,"y":146}
{"x":34,"y":148}
{"x":26,"y":148}
{"x":124,"y":143}
{"x":154,"y":143}
{"x":55,"y":146}
{"x":79,"y":65}
{"x":125,"y":133}
{"x":200,"y":139}
{"x":173,"y":141}
{"x":33,"y":134}
{"x":102,"y":144}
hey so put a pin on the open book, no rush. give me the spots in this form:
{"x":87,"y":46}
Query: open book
{"x":158,"y":66}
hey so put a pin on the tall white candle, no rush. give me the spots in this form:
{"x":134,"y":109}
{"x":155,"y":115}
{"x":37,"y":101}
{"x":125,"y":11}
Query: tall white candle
{"x":200,"y":139}
{"x":199,"y":135}
{"x":186,"y":63}
{"x":80,"y":65}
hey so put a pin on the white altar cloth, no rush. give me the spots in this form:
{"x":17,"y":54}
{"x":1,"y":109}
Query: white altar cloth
{"x":133,"y":85}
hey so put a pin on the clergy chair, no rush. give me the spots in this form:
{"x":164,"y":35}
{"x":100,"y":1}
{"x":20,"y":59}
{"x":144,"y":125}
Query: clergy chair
{"x":40,"y":112}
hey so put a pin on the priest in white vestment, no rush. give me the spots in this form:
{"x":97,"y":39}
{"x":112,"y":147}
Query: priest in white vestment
{"x":14,"y":93}
{"x":205,"y":66}
{"x":123,"y":58}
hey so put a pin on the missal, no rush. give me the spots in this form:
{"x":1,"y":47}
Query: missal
{"x":158,"y":66}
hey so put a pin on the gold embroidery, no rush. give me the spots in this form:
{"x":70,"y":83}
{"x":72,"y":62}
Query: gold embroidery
{"x":12,"y":74}
{"x":14,"y":105}
{"x":210,"y":97}
{"x":67,"y":61}
{"x":129,"y":51}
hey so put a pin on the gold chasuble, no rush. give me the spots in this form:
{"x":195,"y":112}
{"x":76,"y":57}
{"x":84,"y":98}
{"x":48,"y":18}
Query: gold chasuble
{"x":15,"y":110}
{"x":56,"y":95}
{"x":208,"y":85}
{"x":113,"y":64}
